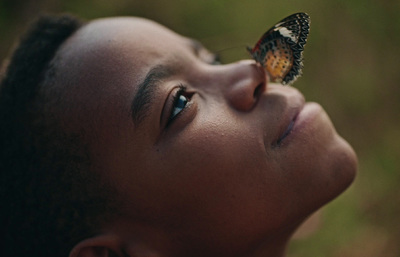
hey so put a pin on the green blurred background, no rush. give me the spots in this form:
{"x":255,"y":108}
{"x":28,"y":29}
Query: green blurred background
{"x":351,"y":68}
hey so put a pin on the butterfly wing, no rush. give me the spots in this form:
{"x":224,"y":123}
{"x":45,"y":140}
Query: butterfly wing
{"x":280,"y":49}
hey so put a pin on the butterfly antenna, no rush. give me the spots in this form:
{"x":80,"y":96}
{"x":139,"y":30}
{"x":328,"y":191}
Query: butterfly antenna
{"x":230,"y":48}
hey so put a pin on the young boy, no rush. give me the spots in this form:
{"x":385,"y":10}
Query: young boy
{"x":121,"y":138}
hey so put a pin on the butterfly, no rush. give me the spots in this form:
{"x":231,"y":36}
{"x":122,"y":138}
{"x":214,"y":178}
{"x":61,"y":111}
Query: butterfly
{"x":280,"y":49}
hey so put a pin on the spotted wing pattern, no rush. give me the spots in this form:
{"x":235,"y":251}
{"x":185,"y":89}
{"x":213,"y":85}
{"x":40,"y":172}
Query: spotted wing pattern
{"x":280,"y":49}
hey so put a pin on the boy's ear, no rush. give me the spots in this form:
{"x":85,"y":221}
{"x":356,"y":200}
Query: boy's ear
{"x":98,"y":246}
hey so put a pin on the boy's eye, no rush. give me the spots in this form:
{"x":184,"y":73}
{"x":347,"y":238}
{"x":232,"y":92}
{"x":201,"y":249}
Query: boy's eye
{"x":180,"y":101}
{"x":216,"y":59}
{"x":179,"y":104}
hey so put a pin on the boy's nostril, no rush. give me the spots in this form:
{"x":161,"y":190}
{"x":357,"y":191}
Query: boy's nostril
{"x":258,"y":90}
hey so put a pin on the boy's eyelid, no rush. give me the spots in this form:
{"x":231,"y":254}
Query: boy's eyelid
{"x":167,"y":107}
{"x":175,"y":98}
{"x":172,"y":96}
{"x":184,"y":117}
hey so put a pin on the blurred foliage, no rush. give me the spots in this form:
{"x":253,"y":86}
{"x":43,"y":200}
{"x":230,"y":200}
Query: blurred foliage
{"x":351,"y":67}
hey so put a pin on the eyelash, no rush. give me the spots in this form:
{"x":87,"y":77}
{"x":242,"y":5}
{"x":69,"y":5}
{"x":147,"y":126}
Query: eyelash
{"x":182,"y":91}
{"x":216,"y":59}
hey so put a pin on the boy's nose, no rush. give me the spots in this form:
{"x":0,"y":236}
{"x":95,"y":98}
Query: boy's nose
{"x":245,"y":82}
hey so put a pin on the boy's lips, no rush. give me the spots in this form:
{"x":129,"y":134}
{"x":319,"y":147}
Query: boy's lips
{"x":289,"y":121}
{"x":287,"y":131}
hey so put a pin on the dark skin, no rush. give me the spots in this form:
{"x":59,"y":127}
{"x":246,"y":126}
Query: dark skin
{"x":209,"y":174}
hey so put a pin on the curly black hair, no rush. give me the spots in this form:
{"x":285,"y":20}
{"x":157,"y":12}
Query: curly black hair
{"x":50,"y":197}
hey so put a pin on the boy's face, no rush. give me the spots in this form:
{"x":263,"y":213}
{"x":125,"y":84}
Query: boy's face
{"x":192,"y":146}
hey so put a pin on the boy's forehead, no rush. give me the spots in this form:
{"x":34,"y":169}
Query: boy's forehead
{"x":115,"y":38}
{"x":113,"y":54}
{"x":125,"y":30}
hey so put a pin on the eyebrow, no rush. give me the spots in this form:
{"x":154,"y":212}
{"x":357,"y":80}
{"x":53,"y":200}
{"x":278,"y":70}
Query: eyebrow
{"x":144,"y":97}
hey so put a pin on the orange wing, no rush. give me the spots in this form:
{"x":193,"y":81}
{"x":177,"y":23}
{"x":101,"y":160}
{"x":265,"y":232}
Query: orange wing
{"x":278,"y":61}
